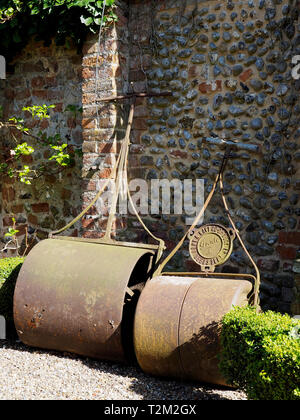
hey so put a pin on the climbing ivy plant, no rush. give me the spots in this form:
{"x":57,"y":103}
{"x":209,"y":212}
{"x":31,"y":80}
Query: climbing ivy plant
{"x":63,"y":20}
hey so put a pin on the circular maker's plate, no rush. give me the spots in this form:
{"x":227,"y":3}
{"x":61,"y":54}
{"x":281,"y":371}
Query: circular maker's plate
{"x":211,"y":245}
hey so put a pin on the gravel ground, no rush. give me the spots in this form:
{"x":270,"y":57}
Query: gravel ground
{"x":33,"y":374}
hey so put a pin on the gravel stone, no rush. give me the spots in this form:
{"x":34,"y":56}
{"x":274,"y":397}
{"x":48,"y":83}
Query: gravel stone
{"x":34,"y":374}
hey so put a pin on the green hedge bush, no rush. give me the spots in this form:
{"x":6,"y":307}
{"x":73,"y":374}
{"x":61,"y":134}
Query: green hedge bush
{"x":9,"y":270}
{"x":261,"y":354}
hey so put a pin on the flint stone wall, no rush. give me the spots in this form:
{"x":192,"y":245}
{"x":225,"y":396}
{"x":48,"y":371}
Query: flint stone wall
{"x":228,"y":65}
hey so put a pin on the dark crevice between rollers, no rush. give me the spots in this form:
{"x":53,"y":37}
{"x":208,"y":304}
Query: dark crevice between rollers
{"x":141,"y":274}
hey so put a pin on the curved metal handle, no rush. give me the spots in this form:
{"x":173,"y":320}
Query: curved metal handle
{"x":219,"y":179}
{"x":257,"y":281}
{"x":196,"y":221}
{"x":119,"y":170}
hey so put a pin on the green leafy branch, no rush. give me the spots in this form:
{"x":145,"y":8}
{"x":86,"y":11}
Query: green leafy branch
{"x":47,"y":19}
{"x":11,"y":235}
{"x":59,"y":151}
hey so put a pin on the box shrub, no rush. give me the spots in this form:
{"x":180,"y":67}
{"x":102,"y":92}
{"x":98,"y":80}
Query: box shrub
{"x":9,"y":270}
{"x":261,"y":353}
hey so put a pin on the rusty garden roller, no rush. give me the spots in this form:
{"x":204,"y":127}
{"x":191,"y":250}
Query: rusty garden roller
{"x":79,"y":295}
{"x":177,"y":321}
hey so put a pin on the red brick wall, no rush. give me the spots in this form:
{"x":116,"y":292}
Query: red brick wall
{"x":42,"y":75}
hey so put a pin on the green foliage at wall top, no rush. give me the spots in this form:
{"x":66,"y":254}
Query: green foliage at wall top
{"x":45,"y":19}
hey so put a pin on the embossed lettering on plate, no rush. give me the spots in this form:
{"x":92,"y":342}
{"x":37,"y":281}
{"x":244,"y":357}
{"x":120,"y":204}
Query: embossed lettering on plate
{"x":211,"y":245}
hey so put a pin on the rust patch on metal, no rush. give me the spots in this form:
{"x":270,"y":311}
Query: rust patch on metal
{"x":177,"y":325}
{"x":70,"y":296}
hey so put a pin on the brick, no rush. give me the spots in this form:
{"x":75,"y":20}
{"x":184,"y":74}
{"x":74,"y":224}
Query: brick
{"x":40,"y":208}
{"x":93,"y":235}
{"x":22,"y":94}
{"x":59,"y":107}
{"x":91,"y":185}
{"x":71,"y":122}
{"x":27,"y":159}
{"x":89,"y":147}
{"x":54,"y":95}
{"x":51,"y":82}
{"x":178,"y":154}
{"x":66,"y":194}
{"x":8,"y":193}
{"x":22,"y":230}
{"x":109,"y":160}
{"x":38,"y":82}
{"x":291,"y":238}
{"x":90,"y":159}
{"x":106,"y":123}
{"x":286,"y":253}
{"x":18,"y":208}
{"x":92,"y":60}
{"x":9,"y":93}
{"x":32,"y":68}
{"x":218,"y":85}
{"x":133,"y":161}
{"x":139,"y":124}
{"x":246,"y":75}
{"x":104,"y":147}
{"x":32,"y":219}
{"x":75,"y":233}
{"x":210,"y":87}
{"x":136,"y":76}
{"x":141,"y":111}
{"x":88,"y":73}
{"x":32,"y":123}
{"x":39,"y":93}
{"x":104,"y":173}
{"x":7,"y":221}
{"x":18,"y":82}
{"x":268,"y":265}
{"x":193,"y":72}
{"x":87,"y":223}
{"x":88,"y":123}
{"x":44,"y":124}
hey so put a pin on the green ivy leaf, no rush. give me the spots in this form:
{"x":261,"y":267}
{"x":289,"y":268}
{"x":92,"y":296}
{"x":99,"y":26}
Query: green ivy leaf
{"x":87,"y":21}
{"x":11,"y":232}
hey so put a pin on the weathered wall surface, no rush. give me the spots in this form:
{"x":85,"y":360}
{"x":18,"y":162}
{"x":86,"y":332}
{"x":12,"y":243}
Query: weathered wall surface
{"x":42,"y":75}
{"x":228,"y":65}
{"x":104,"y":124}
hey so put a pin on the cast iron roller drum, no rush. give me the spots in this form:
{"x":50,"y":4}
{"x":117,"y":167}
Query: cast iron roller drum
{"x":70,"y":296}
{"x":79,"y":295}
{"x":178,"y":335}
